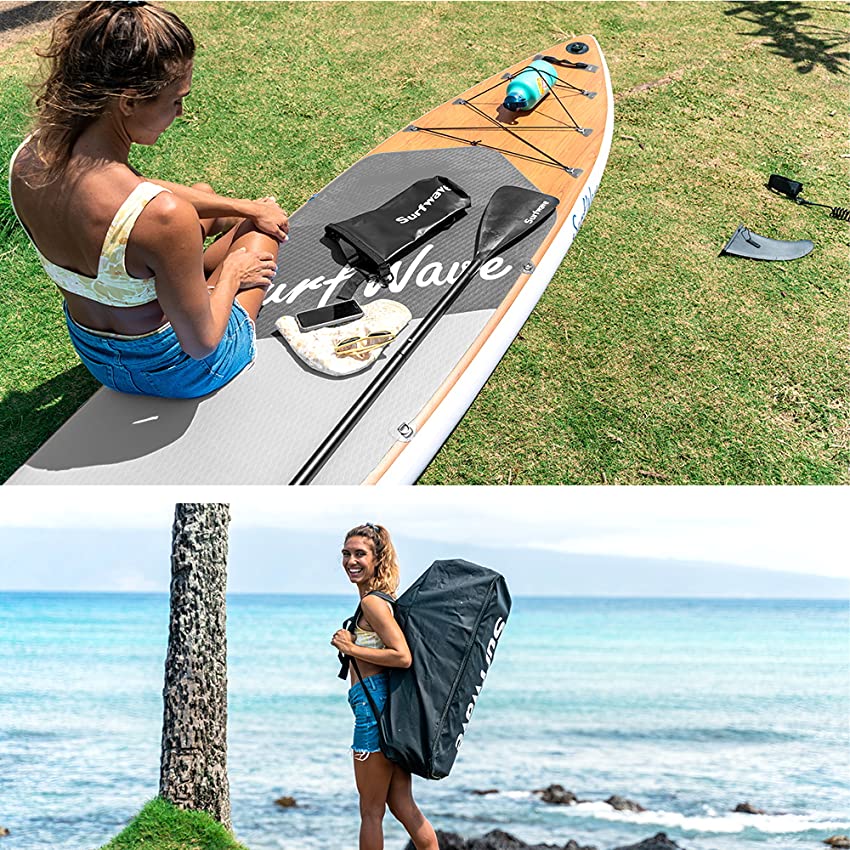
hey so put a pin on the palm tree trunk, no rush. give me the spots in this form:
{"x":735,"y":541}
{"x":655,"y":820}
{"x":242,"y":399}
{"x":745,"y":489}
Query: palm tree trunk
{"x":193,"y":770}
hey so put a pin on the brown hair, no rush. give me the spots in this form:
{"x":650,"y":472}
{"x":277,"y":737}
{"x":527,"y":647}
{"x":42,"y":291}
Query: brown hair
{"x":98,"y":51}
{"x":387,"y":572}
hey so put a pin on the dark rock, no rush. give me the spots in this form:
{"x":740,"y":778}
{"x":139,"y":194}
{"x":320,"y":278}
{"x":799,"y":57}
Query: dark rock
{"x":657,"y":842}
{"x":446,"y":841}
{"x":558,"y":795}
{"x":485,"y":791}
{"x":621,"y":804}
{"x":832,"y":841}
{"x":498,"y":840}
{"x":748,"y":809}
{"x":286,"y":802}
{"x":495,"y":840}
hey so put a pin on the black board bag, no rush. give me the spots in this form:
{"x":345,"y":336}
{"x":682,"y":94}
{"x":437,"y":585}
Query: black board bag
{"x":452,"y":617}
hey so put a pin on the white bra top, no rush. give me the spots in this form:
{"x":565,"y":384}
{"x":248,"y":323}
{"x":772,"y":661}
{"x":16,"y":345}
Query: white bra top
{"x":370,"y":640}
{"x":113,"y":286}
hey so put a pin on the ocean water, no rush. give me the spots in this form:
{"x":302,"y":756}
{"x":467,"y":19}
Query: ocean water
{"x":685,"y":706}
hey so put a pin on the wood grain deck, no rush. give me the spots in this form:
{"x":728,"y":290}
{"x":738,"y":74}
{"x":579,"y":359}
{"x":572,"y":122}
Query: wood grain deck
{"x":547,"y":127}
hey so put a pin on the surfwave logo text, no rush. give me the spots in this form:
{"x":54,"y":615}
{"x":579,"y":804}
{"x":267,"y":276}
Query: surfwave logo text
{"x":416,"y":273}
{"x":423,"y":207}
{"x":535,"y":213}
{"x":488,"y":659}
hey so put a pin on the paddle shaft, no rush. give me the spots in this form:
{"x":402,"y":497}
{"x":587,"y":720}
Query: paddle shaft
{"x":320,"y":457}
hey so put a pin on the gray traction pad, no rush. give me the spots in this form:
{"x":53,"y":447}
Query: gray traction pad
{"x":263,"y":426}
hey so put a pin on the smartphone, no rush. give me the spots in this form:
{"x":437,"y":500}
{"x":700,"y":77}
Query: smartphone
{"x":333,"y":314}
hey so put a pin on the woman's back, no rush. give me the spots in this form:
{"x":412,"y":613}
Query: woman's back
{"x":68,"y":218}
{"x":75,"y":224}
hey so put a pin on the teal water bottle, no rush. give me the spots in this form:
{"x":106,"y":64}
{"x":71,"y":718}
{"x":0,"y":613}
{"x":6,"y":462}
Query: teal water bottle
{"x":528,"y":88}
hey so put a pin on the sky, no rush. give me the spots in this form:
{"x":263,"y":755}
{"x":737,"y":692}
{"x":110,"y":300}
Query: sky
{"x":548,"y":541}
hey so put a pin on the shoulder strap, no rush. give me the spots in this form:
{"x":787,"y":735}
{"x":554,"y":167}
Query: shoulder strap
{"x":350,"y":625}
{"x":385,"y":596}
{"x":12,"y":200}
{"x":115,"y":243}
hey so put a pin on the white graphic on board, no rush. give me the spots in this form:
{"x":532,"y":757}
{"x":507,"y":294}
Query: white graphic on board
{"x":416,"y":273}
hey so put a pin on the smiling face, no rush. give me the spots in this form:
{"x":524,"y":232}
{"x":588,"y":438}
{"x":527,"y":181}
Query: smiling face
{"x":359,"y":561}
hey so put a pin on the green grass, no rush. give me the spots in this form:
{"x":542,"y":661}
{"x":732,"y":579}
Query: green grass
{"x":161,"y":826}
{"x":649,"y":359}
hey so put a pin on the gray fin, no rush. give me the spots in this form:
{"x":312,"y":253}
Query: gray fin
{"x":745,"y":243}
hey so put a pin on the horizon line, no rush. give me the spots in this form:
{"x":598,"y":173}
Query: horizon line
{"x":513,"y":596}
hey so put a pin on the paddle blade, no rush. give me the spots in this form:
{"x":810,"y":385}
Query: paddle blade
{"x":511,"y":213}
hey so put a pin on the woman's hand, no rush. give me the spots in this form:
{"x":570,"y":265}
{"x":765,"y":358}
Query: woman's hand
{"x":342,"y":641}
{"x":270,"y":218}
{"x":250,"y":268}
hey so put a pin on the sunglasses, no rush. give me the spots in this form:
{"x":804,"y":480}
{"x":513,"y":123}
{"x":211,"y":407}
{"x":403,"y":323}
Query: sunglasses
{"x":364,"y":344}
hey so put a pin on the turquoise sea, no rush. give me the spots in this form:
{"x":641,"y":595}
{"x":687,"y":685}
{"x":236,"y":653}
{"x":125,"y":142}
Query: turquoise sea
{"x":688,"y":707}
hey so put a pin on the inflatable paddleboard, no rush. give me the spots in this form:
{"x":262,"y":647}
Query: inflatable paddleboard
{"x":263,"y":426}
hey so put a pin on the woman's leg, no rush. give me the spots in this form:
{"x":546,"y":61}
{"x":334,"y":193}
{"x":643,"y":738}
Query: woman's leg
{"x":243,"y":236}
{"x":373,"y":783}
{"x":407,"y":813}
{"x":228,"y":228}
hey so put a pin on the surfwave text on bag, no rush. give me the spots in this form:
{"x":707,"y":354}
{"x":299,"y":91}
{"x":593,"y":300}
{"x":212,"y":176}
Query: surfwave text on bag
{"x":423,"y":207}
{"x":488,"y":657}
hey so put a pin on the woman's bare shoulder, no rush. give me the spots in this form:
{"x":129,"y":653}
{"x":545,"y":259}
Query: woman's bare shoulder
{"x":377,"y":606}
{"x":166,"y":221}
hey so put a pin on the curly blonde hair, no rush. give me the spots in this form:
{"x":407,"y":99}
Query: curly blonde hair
{"x":98,"y":51}
{"x":387,"y":571}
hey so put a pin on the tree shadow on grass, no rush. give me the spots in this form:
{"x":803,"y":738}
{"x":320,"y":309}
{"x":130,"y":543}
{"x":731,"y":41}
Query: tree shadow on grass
{"x":794,"y":36}
{"x":29,"y":13}
{"x":27,"y":419}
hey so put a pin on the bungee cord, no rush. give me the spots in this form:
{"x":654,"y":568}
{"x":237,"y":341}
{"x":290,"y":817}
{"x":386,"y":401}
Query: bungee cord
{"x":544,"y":157}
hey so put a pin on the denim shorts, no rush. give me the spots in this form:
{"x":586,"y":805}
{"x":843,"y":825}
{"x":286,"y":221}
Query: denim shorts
{"x":366,"y":738}
{"x":156,"y":365}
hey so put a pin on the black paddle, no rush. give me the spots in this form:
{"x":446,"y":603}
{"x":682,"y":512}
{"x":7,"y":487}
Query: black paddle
{"x":511,"y":214}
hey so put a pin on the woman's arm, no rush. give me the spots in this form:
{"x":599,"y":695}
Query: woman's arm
{"x":266,"y":214}
{"x":381,"y":619}
{"x":169,"y":236}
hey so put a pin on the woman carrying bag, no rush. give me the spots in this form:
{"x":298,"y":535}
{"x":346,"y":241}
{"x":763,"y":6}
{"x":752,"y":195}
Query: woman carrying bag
{"x":370,"y":562}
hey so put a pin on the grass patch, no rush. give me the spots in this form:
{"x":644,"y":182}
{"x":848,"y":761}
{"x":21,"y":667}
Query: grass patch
{"x":161,"y":826}
{"x":649,"y":359}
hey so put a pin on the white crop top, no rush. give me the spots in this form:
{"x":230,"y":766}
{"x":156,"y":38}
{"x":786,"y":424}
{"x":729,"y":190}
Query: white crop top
{"x":370,"y":640}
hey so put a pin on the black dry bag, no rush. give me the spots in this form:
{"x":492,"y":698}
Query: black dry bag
{"x":452,"y":617}
{"x":371,"y":240}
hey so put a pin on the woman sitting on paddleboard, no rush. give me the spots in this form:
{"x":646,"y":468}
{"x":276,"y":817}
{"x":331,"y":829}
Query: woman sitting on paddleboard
{"x":149,"y":311}
{"x":370,"y":562}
